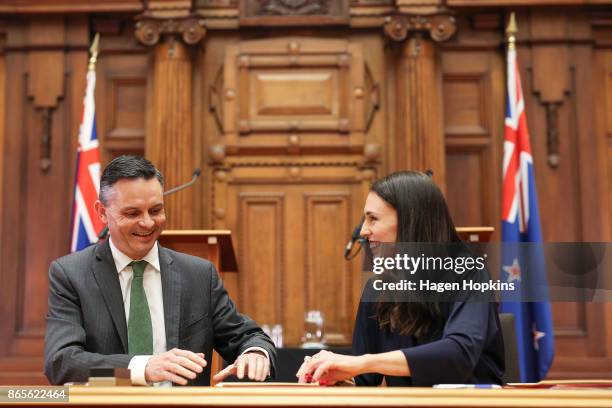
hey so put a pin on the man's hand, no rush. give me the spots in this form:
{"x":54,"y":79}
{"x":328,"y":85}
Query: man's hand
{"x":175,"y":365}
{"x":254,"y":364}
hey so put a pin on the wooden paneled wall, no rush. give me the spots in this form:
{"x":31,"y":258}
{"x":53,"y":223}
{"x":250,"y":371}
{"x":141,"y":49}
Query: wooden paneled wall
{"x":556,"y":53}
{"x":289,"y":126}
{"x":44,"y":60}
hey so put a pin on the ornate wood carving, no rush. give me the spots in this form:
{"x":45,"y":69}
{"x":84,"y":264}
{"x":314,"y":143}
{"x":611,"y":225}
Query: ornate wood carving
{"x":150,"y":29}
{"x":318,"y":94}
{"x":289,"y":12}
{"x":372,"y":93}
{"x":552,"y":134}
{"x":440,"y":27}
{"x":45,"y":140}
{"x":46,"y":81}
{"x":551,"y":61}
{"x":292,"y":7}
{"x":215,"y":98}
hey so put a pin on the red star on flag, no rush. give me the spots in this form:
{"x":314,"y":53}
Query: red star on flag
{"x":513,"y":271}
{"x":537,"y":335}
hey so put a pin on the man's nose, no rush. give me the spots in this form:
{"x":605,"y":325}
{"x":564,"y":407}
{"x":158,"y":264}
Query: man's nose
{"x":147,"y":221}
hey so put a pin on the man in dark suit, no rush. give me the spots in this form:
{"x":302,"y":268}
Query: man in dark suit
{"x":128,"y":302}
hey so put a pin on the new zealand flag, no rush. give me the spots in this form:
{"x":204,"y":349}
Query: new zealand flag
{"x":521,"y":223}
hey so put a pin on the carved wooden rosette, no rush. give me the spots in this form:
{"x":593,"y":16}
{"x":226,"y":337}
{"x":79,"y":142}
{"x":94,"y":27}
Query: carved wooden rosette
{"x":420,"y":133}
{"x":169,"y":143}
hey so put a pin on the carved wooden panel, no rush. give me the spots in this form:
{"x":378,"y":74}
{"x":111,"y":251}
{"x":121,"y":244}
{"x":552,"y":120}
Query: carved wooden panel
{"x":297,"y":94}
{"x":292,"y":223}
{"x":291,"y":12}
{"x":121,"y":96}
{"x":261,"y":237}
{"x":329,"y":280}
{"x":473,"y":130}
{"x":468,"y":199}
{"x":465,"y":104}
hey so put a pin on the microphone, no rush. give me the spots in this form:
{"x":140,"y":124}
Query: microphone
{"x":354,"y":238}
{"x":196,"y":175}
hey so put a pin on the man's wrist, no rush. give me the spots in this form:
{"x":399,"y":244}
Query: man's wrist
{"x":137,"y":367}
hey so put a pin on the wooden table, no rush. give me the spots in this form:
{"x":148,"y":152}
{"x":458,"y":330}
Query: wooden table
{"x":337,"y":397}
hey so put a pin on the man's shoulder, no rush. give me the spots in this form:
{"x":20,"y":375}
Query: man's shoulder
{"x":186,"y":260}
{"x":81,"y":257}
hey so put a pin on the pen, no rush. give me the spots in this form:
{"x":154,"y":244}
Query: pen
{"x":458,"y":386}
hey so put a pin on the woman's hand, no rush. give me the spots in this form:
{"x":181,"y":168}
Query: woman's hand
{"x":328,"y":368}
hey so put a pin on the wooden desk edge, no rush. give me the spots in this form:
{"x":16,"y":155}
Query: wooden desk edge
{"x":303,"y":396}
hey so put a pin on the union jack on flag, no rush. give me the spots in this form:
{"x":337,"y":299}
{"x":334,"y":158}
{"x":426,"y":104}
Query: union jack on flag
{"x":85,"y":223}
{"x":521,"y":223}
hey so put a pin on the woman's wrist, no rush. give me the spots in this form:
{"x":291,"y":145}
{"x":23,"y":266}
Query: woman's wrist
{"x":366,"y":364}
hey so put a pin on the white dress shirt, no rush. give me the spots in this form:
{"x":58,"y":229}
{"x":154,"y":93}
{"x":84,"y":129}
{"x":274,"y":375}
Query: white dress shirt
{"x":151,"y":281}
{"x":153,"y":290}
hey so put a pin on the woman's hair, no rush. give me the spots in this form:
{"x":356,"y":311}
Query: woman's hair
{"x":422,"y":216}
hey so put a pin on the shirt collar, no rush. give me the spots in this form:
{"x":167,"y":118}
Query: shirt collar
{"x":122,"y":260}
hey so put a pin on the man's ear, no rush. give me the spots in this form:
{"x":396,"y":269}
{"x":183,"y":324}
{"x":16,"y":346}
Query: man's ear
{"x":101,"y":211}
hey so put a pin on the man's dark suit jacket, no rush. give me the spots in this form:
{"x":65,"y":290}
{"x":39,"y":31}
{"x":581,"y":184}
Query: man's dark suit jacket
{"x":86,"y":326}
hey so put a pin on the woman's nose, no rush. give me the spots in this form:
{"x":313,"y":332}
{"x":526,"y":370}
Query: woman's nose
{"x":365,"y":231}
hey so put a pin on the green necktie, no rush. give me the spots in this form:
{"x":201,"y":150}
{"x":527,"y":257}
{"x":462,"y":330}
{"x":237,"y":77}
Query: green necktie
{"x":140,"y":330}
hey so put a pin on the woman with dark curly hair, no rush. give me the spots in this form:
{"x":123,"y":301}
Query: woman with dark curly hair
{"x":414,"y":343}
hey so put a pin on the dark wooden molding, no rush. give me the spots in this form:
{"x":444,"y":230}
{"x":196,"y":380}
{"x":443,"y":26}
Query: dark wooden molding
{"x":552,"y":133}
{"x":215,"y":99}
{"x":486,"y":21}
{"x":440,"y":26}
{"x":69,"y":6}
{"x":45,"y":140}
{"x":106,"y":25}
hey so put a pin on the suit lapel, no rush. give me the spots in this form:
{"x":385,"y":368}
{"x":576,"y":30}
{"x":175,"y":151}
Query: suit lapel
{"x":107,"y":278}
{"x":171,"y":293}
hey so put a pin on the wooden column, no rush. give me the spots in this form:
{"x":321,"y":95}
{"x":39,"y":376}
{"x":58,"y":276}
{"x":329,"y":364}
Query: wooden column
{"x":169,"y":142}
{"x":419,"y":124}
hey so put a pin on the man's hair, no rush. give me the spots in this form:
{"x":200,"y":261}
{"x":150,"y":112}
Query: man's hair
{"x":127,"y":167}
